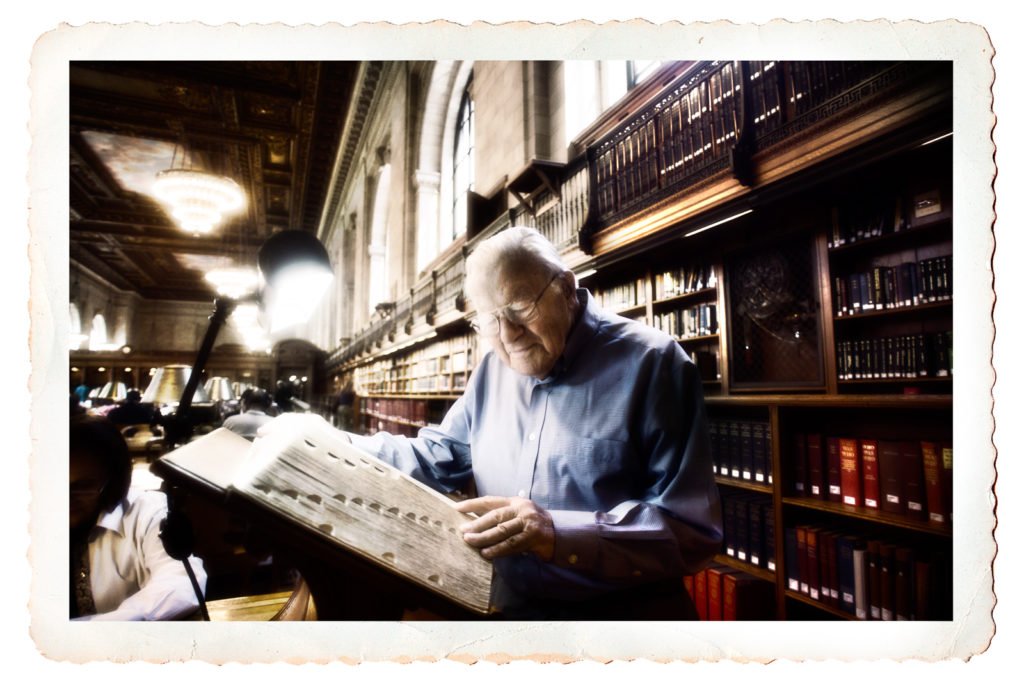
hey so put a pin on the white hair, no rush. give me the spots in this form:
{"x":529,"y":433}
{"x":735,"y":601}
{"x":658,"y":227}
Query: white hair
{"x":521,"y":248}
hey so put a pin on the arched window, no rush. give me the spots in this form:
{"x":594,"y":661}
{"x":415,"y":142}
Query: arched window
{"x":98,"y":334}
{"x":75,"y":336}
{"x":462,"y":162}
{"x":591,"y":87}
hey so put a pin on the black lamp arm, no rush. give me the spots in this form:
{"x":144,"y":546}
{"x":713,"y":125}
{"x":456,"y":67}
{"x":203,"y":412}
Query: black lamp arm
{"x":223,"y":307}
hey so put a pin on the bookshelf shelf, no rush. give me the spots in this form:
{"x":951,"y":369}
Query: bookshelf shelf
{"x":926,"y":230}
{"x":697,"y":339}
{"x":895,"y":312}
{"x":742,"y":484}
{"x":800,"y":597}
{"x":759,"y":572}
{"x":870,"y":515}
{"x":698,"y":295}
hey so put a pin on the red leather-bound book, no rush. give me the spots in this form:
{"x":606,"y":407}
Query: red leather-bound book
{"x":850,"y":469}
{"x":870,"y":487}
{"x":715,"y":573}
{"x":747,"y":597}
{"x":835,"y":476}
{"x":700,"y":593}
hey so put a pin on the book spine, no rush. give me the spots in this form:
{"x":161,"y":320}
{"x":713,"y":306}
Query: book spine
{"x":792,"y":558}
{"x":860,"y":583}
{"x":804,"y":571}
{"x":947,"y":478}
{"x":700,"y":594}
{"x":729,"y":524}
{"x":742,"y":529}
{"x":934,"y":493}
{"x":768,"y":524}
{"x":845,"y":548}
{"x":813,"y":564}
{"x":874,"y":581}
{"x":850,"y":472}
{"x":885,"y":573}
{"x":800,"y":465}
{"x":815,"y":465}
{"x":869,"y":468}
{"x":913,"y":480}
{"x":747,"y":451}
{"x":835,"y":476}
{"x":890,"y":477}
{"x":903,"y":561}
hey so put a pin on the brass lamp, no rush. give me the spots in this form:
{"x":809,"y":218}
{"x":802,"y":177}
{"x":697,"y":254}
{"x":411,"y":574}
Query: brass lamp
{"x":168,"y":384}
{"x":115,"y":391}
{"x":219,"y":389}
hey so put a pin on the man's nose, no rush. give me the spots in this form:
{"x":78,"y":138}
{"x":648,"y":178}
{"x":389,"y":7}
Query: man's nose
{"x":508,"y":330}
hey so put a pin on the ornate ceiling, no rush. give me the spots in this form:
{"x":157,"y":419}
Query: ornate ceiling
{"x":273,"y":127}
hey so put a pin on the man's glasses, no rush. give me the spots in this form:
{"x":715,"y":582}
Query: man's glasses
{"x":517,"y":313}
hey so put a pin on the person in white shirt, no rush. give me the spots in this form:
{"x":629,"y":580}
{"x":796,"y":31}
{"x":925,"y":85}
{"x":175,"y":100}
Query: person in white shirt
{"x":254,"y":404}
{"x":119,"y":569}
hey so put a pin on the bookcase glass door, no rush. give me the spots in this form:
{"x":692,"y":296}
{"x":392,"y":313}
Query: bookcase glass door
{"x":774,"y":315}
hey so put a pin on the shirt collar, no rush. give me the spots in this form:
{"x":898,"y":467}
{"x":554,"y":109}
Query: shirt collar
{"x":114,"y":520}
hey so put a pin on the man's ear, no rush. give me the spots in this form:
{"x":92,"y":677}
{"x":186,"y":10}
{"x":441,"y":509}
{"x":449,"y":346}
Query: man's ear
{"x":569,"y":278}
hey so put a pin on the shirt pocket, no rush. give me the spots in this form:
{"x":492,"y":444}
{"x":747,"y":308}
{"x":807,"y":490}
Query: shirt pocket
{"x":592,"y":473}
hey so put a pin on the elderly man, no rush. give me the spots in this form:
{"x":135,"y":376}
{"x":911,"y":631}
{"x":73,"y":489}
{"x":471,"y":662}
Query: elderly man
{"x":586,"y":437}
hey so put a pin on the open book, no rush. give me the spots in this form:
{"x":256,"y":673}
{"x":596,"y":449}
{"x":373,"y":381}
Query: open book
{"x":304,"y":471}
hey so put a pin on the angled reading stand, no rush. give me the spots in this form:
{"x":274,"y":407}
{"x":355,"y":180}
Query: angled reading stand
{"x":370,"y":541}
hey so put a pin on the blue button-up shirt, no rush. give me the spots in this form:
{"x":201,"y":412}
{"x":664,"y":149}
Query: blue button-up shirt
{"x":613,"y":445}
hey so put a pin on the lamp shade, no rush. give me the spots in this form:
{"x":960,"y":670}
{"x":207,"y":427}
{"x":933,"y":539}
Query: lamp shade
{"x":113,"y":390}
{"x":219,"y":389}
{"x":295,"y":272}
{"x":168,"y":384}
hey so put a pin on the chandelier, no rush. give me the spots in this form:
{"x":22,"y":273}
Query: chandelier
{"x":233,"y":282}
{"x":198,"y":201}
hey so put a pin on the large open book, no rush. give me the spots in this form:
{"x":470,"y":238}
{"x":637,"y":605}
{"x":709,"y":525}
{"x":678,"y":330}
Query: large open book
{"x":302,"y":470}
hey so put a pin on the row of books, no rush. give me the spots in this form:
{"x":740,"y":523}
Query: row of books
{"x":724,"y":593}
{"x":399,"y":409}
{"x":621,"y":296}
{"x":862,"y":220}
{"x":909,"y":478}
{"x":905,"y":356}
{"x":683,"y":323}
{"x":741,"y":449}
{"x":700,"y":123}
{"x":748,"y":523}
{"x":871,"y":579}
{"x":888,"y":287}
{"x":684,"y":280}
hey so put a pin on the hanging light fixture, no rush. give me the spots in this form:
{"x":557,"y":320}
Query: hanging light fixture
{"x":233,"y":282}
{"x":197,"y":200}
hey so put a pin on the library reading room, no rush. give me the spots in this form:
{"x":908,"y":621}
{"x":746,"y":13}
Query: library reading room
{"x":706,"y":307}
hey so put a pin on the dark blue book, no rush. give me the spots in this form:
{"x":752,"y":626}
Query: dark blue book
{"x":845,"y":545}
{"x":742,"y":528}
{"x":768,"y":526}
{"x":729,"y":524}
{"x":761,"y":439}
{"x":755,"y":532}
{"x":746,"y":451}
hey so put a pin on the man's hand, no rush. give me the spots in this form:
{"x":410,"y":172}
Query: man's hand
{"x":508,"y":526}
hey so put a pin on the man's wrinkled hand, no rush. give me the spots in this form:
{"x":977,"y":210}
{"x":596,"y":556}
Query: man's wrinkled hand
{"x":507,"y":526}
